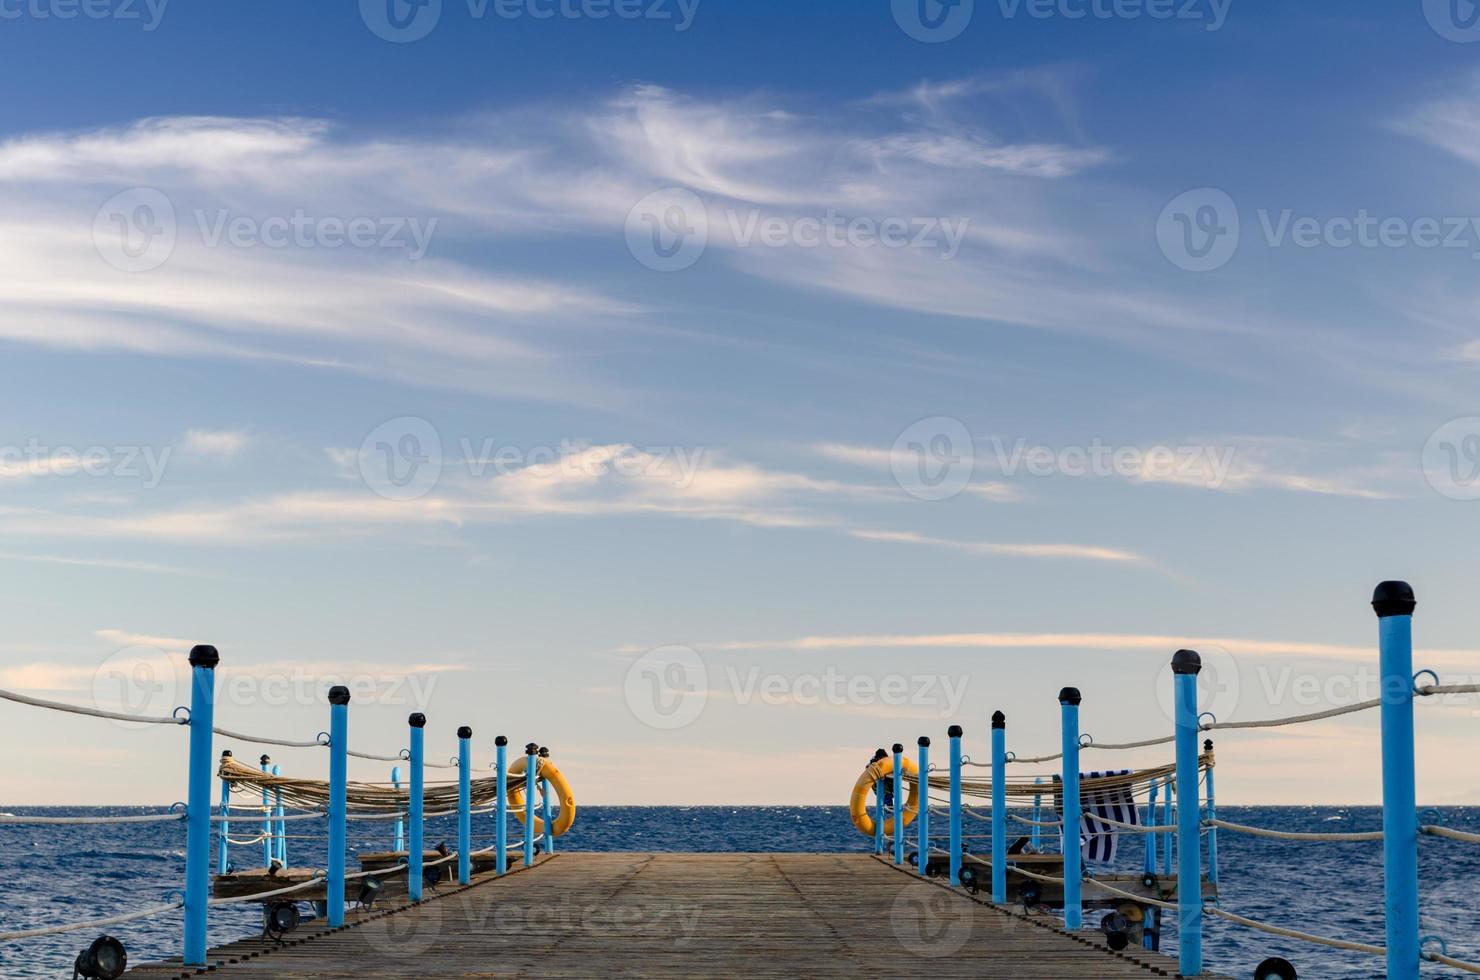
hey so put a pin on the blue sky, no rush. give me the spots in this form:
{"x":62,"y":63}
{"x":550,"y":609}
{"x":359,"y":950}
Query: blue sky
{"x":703,"y":481}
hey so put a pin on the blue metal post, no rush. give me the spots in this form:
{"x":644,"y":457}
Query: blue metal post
{"x":464,"y":805}
{"x":879,"y":808}
{"x":898,"y":775}
{"x":923,"y":820}
{"x":1069,"y":701}
{"x":1167,"y":819}
{"x":1394,"y":603}
{"x":1037,"y":818}
{"x":999,"y":808}
{"x":266,"y":763}
{"x":415,"y":848}
{"x":203,"y":660}
{"x":338,"y":810}
{"x":223,"y":827}
{"x":1212,"y":815}
{"x":1149,"y":939}
{"x":955,"y":735}
{"x":501,"y":806}
{"x":545,"y":806}
{"x":1185,"y":667}
{"x":398,"y":839}
{"x":281,"y":843}
{"x":531,"y":773}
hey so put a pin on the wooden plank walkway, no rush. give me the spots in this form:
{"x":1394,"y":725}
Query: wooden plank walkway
{"x":708,"y":915}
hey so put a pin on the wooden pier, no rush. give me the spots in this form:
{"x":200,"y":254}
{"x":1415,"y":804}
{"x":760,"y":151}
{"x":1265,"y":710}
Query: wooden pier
{"x":712,"y":915}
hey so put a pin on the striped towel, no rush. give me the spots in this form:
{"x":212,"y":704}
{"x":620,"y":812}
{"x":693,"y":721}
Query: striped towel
{"x":1098,"y":841}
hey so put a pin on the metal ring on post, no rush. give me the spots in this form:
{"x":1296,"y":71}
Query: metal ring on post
{"x":1416,"y":676}
{"x":1443,"y":946}
{"x":1011,"y":756}
{"x":322,"y":738}
{"x":176,"y":715}
{"x":453,"y":760}
{"x":1432,"y":816}
{"x":1086,"y":740}
{"x":178,"y":807}
{"x":1208,"y":727}
{"x":404,"y":755}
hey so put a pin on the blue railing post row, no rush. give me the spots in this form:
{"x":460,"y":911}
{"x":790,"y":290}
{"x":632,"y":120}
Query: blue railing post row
{"x":415,"y":847}
{"x":464,"y":805}
{"x":266,"y":763}
{"x":223,"y":827}
{"x":501,"y":805}
{"x":338,"y":790}
{"x":280,"y":844}
{"x":531,"y":774}
{"x":398,"y":838}
{"x":1185,"y":667}
{"x":922,"y":858}
{"x":1037,"y":835}
{"x":1069,"y":701}
{"x":203,"y":660}
{"x":898,"y":777}
{"x":1394,"y":603}
{"x":954,"y":732}
{"x":1212,"y":815}
{"x":999,"y":808}
{"x":545,"y":806}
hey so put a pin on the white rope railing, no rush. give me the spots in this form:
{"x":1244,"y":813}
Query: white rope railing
{"x":78,"y":709}
{"x":111,"y":920}
{"x":1434,"y":830}
{"x":144,"y":818}
{"x":1448,"y":960}
{"x":1295,"y":835}
{"x":1143,"y":899}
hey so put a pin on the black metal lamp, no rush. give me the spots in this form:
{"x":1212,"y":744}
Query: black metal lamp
{"x":279,"y":919}
{"x":369,"y":888}
{"x":105,"y":959}
{"x":1275,"y":968}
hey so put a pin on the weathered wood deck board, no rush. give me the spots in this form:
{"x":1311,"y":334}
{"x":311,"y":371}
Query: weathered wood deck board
{"x":722,"y":915}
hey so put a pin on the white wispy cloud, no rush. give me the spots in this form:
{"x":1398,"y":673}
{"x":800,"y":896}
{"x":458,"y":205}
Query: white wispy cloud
{"x":1078,"y":551}
{"x":223,"y":444}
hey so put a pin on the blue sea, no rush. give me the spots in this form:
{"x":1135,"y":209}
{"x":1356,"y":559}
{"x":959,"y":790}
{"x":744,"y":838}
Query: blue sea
{"x":57,"y":874}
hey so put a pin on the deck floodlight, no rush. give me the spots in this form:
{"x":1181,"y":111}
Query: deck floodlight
{"x":1030,"y":894}
{"x":1275,"y":968}
{"x":279,"y":918}
{"x":105,"y":959}
{"x":369,"y":888}
{"x":969,"y":881}
{"x":1116,"y":928}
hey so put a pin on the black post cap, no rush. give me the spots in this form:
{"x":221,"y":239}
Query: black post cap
{"x":464,"y":732}
{"x":225,"y":753}
{"x":1186,"y":662}
{"x":265,"y":759}
{"x":1207,"y":745}
{"x":418,"y":720}
{"x":501,"y":740}
{"x":1393,"y":599}
{"x":954,"y":731}
{"x":999,"y":720}
{"x":339,"y":694}
{"x":544,"y":752}
{"x":1070,"y":695}
{"x":897,"y":748}
{"x":531,"y":748}
{"x":924,"y":741}
{"x":205,"y":656}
